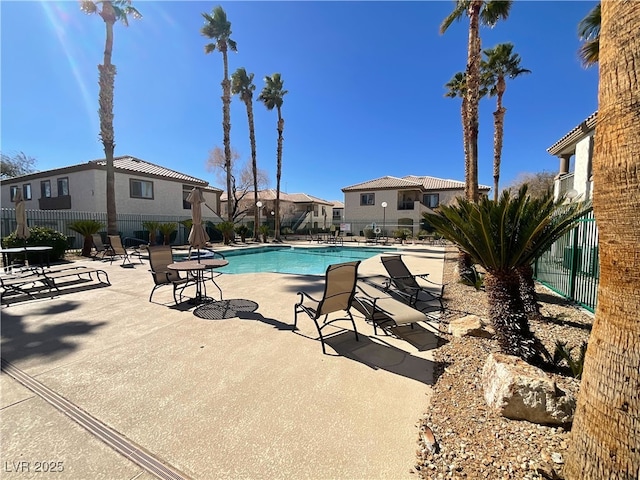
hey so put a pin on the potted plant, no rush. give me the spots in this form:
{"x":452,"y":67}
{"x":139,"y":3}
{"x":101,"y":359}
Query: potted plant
{"x":152,"y":227}
{"x":86,"y":228}
{"x":166,"y":229}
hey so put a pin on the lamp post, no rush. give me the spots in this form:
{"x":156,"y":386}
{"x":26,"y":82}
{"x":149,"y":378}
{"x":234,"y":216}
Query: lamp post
{"x":256,"y":233}
{"x":384,"y":220}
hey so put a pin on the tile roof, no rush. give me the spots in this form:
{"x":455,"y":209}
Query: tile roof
{"x":411,"y":181}
{"x":133,"y":164}
{"x":575,"y":134}
{"x":270,"y":194}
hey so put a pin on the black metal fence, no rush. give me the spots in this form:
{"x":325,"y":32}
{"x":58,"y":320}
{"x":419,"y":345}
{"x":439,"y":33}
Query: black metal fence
{"x":129,"y":225}
{"x":571,"y":266}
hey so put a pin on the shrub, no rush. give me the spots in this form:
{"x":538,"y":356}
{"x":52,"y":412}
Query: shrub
{"x":242,"y":230}
{"x":227,"y":229}
{"x":39,"y":236}
{"x":86,"y":228}
{"x":369,"y":233}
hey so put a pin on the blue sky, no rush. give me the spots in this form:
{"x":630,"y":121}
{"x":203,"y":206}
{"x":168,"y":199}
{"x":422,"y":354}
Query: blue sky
{"x":365,"y":81}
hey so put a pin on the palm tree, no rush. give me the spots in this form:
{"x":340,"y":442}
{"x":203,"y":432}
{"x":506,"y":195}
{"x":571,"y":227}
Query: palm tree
{"x":487,"y":12}
{"x":605,"y":434}
{"x":272,"y":96}
{"x":589,"y":33}
{"x":457,"y":87}
{"x":111,"y":12}
{"x":242,"y":84}
{"x":218,"y":28}
{"x":501,"y":236}
{"x":86,"y":228}
{"x":501,"y":63}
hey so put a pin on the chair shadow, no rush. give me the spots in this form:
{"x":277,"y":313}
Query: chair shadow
{"x":419,"y":337}
{"x":381,"y":356}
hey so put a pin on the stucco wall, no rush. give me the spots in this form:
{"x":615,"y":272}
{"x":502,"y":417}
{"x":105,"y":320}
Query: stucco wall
{"x":582,"y":169}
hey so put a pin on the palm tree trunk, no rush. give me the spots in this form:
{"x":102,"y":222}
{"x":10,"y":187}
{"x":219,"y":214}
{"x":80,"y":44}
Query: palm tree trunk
{"x":226,"y":128}
{"x":498,"y":134}
{"x":605,"y":437}
{"x":106,"y":81}
{"x":509,"y":319}
{"x":254,"y":168}
{"x":278,"y":175}
{"x":473,"y":95}
{"x":528,"y":291}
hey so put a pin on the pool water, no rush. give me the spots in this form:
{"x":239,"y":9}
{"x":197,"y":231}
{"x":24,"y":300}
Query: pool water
{"x":296,"y":260}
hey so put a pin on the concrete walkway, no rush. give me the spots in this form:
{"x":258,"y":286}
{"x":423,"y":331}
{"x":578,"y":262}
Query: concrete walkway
{"x":242,"y":397}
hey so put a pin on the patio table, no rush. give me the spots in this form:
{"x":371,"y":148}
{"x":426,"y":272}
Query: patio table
{"x":7,"y":253}
{"x":197,"y":269}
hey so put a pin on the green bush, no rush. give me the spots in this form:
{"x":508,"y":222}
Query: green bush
{"x":369,"y":233}
{"x":39,"y":236}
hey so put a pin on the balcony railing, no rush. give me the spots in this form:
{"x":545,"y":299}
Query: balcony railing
{"x":406,"y":205}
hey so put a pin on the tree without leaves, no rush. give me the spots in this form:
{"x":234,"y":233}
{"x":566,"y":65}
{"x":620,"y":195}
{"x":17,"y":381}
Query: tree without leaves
{"x":501,"y":63}
{"x":539,"y":183}
{"x":242,"y":179}
{"x":110,"y":12}
{"x":242,"y":85}
{"x":605,"y":436}
{"x":16,"y":165}
{"x":272,"y":96}
{"x":218,"y":28}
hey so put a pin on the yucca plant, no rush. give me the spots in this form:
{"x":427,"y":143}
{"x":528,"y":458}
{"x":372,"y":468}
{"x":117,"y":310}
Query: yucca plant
{"x":86,"y":228}
{"x":501,"y":237}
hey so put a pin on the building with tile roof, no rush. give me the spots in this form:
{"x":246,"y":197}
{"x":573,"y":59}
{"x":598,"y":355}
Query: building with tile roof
{"x":142,"y":188}
{"x":392,"y":203}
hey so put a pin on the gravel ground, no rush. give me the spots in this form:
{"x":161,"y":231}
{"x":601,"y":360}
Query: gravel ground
{"x":473,"y":441}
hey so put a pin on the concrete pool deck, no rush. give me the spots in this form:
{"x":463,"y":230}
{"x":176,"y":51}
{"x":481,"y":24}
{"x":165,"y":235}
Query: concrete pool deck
{"x":241,"y":397}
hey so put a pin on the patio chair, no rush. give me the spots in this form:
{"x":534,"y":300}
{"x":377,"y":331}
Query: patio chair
{"x":405,"y":284}
{"x":100,"y":248}
{"x":339,"y":290}
{"x":118,"y":250}
{"x":159,"y":257}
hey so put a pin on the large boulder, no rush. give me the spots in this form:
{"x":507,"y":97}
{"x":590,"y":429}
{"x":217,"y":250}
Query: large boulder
{"x":520,"y":391}
{"x":470,"y":326}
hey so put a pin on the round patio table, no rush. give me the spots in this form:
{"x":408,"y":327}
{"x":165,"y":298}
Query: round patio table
{"x":197,"y":269}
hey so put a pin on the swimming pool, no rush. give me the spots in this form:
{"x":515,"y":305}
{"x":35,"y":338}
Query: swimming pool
{"x":296,"y":260}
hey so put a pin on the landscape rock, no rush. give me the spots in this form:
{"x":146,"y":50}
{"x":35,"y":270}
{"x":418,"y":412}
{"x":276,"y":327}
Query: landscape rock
{"x":520,"y":391}
{"x":470,"y":326}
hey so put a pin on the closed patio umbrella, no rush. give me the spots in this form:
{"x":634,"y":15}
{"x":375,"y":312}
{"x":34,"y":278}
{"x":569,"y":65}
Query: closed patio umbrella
{"x":197,"y":236}
{"x":22,"y":231}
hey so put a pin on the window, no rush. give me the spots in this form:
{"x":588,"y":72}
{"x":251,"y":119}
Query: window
{"x":63,"y":186}
{"x":141,"y":189}
{"x":336,"y":214}
{"x":431,"y":200}
{"x":14,"y":190}
{"x":367,"y":199}
{"x":45,"y":189}
{"x":186,"y":190}
{"x":26,"y":191}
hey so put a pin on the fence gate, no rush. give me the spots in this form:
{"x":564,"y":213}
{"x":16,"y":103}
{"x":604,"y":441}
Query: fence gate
{"x":571,"y":266}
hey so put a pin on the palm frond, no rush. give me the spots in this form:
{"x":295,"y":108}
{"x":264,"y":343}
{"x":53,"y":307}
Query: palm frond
{"x":458,"y":12}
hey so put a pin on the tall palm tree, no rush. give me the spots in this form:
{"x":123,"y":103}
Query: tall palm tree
{"x":589,"y":33}
{"x":110,"y":12}
{"x":242,"y":84}
{"x":501,"y":236}
{"x":218,"y":28}
{"x":485,"y":12}
{"x":272,"y":96}
{"x":606,"y":430}
{"x":500,"y":63}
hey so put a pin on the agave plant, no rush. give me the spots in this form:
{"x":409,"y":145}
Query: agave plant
{"x":503,"y":236}
{"x":86,"y":228}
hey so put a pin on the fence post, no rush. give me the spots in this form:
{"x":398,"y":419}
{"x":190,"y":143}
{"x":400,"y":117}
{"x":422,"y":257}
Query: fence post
{"x":575,"y":257}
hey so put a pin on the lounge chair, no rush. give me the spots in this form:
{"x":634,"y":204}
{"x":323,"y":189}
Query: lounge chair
{"x":385,"y":312}
{"x":100,"y":248}
{"x":339,"y":290}
{"x":159,"y":257}
{"x":405,"y":284}
{"x":117,"y":249}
